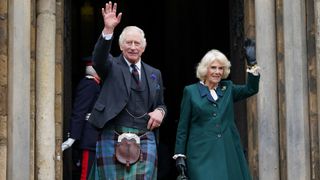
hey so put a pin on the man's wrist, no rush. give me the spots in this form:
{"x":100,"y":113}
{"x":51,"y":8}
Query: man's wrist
{"x":106,"y":36}
{"x":163,"y":112}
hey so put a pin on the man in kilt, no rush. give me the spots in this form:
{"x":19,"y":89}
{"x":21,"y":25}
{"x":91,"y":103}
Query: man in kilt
{"x":130,"y":107}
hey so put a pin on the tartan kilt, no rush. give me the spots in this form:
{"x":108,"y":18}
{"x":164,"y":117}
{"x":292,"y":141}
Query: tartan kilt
{"x":106,"y":166}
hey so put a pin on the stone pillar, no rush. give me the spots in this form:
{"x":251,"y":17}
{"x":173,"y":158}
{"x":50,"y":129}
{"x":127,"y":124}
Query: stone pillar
{"x":33,"y":88}
{"x":45,"y":90}
{"x":296,"y":83}
{"x":18,"y":166}
{"x":281,"y":88}
{"x":59,"y":85}
{"x":317,"y":37}
{"x":3,"y":87}
{"x":313,"y":75}
{"x":267,"y":107}
{"x":253,"y":149}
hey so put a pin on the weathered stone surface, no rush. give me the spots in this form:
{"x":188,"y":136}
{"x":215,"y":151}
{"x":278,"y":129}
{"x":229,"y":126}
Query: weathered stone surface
{"x":45,"y":89}
{"x":3,"y":87}
{"x":296,"y":82}
{"x":59,"y":87}
{"x":3,"y":161}
{"x":18,"y":90}
{"x":267,"y":118}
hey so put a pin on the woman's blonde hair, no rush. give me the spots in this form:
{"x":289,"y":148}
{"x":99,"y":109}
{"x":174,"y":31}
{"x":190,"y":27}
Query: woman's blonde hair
{"x":208,"y":59}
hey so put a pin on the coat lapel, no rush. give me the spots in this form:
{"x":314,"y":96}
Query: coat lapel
{"x":152,"y":81}
{"x":125,"y":72}
{"x":204,"y":91}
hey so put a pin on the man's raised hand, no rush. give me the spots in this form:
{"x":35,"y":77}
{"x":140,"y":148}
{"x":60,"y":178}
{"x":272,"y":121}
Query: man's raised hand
{"x":110,"y":17}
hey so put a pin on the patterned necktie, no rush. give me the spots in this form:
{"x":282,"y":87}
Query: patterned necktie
{"x":135,"y":73}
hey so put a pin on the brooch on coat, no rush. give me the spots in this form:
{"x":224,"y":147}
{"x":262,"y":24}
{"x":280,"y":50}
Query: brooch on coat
{"x":154,"y":78}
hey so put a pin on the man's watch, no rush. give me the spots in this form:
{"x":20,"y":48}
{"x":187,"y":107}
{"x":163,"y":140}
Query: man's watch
{"x":162,"y":111}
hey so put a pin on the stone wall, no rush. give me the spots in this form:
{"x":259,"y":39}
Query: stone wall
{"x":284,"y":128}
{"x":3,"y":86}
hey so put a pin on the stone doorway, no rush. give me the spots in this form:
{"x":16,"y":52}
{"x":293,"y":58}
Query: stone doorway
{"x":178,"y":33}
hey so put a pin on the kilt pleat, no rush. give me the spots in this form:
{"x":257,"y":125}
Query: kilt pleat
{"x":107,"y":168}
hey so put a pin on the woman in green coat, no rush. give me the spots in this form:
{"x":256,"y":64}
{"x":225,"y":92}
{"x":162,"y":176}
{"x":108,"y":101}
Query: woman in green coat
{"x":207,"y":136}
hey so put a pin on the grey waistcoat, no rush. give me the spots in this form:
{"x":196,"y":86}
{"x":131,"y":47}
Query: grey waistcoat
{"x":134,"y":115}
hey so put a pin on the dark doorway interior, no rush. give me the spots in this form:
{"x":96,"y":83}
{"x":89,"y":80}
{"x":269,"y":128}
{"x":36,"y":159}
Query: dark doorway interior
{"x":178,"y":32}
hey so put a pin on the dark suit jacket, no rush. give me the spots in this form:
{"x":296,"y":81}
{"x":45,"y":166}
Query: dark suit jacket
{"x":116,"y":77}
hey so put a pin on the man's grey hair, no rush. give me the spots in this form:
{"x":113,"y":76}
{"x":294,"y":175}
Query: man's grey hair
{"x":129,"y":29}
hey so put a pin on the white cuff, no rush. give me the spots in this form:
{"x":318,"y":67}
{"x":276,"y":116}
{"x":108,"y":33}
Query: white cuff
{"x":179,"y":155}
{"x":255,"y":70}
{"x":106,"y":36}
